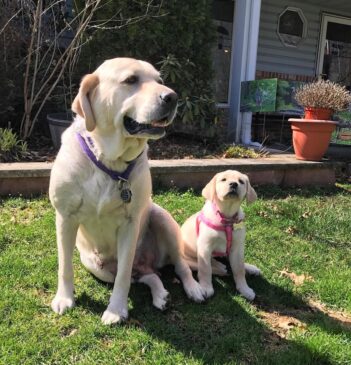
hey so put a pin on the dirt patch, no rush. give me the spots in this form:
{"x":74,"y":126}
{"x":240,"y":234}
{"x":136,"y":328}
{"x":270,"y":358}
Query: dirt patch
{"x":342,"y":317}
{"x":281,"y":324}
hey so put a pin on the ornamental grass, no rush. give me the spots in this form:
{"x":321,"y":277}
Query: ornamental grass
{"x":323,"y":94}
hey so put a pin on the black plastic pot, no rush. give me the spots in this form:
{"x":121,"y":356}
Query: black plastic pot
{"x":58,"y":123}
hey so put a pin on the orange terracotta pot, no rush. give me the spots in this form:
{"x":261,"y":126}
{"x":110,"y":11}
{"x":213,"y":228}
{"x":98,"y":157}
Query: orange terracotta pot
{"x":318,"y":113}
{"x":311,"y":138}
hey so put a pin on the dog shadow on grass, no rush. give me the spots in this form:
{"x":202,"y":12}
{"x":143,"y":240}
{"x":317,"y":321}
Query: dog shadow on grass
{"x":227,"y":330}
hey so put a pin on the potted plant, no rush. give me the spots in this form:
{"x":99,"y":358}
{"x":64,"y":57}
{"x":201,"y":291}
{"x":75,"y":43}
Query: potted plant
{"x":58,"y":123}
{"x":312,"y":134}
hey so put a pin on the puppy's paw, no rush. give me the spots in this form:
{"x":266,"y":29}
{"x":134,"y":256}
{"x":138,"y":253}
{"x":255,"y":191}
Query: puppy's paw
{"x":160,"y":300}
{"x":60,"y":304}
{"x":207,"y":290}
{"x":112,"y":316}
{"x":194,"y":291}
{"x":252,"y":269}
{"x":246,"y":292}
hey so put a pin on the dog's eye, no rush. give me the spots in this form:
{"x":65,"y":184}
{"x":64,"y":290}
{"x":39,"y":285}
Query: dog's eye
{"x":224,"y":179}
{"x":131,"y":80}
{"x":241,"y":182}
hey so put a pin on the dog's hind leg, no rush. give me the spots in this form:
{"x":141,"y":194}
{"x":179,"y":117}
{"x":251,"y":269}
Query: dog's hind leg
{"x":169,"y":239}
{"x":159,"y":294}
{"x":104,"y":272}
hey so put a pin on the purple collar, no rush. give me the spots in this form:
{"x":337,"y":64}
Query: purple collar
{"x":115,"y":175}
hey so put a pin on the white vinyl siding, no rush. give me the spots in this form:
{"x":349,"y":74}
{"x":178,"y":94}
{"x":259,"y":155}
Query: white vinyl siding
{"x":273,"y":56}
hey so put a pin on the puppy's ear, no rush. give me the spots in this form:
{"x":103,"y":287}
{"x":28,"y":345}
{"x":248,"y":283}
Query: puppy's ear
{"x":209,"y":191}
{"x":81,"y":104}
{"x":251,"y":195}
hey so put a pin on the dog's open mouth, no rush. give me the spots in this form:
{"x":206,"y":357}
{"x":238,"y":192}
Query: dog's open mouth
{"x":156,"y":127}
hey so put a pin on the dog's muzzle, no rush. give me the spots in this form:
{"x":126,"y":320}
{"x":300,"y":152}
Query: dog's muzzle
{"x":233,"y":190}
{"x":154,"y":128}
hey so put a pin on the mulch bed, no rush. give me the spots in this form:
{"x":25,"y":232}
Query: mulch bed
{"x":174,"y":146}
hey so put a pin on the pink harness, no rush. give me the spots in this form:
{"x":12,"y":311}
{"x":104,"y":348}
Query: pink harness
{"x":223,"y":224}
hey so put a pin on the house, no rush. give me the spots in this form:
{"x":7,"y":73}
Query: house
{"x":284,"y":39}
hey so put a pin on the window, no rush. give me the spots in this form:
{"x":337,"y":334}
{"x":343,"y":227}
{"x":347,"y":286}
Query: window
{"x":292,"y":26}
{"x":223,"y":13}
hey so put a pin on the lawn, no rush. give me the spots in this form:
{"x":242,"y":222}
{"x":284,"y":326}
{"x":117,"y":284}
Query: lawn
{"x":300,"y":238}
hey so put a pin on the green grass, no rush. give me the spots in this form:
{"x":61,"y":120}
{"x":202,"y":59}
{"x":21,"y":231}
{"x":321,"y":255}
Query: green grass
{"x":298,"y":230}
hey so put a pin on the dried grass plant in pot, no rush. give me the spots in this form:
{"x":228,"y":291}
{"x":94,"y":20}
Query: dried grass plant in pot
{"x":322,"y":98}
{"x":312,"y":134}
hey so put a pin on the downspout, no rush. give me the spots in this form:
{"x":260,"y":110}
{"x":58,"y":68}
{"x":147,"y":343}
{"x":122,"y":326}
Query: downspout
{"x":243,"y":66}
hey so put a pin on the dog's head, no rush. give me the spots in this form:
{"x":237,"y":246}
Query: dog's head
{"x":229,"y":186}
{"x":127,"y":95}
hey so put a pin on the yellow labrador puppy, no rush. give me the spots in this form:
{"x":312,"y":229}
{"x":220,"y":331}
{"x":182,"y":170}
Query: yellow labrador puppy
{"x":218,"y":230}
{"x":100,"y":187}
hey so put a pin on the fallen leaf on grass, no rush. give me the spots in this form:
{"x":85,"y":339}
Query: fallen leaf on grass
{"x":134,"y":323}
{"x":298,"y":280}
{"x":68,"y":332}
{"x":282,"y":324}
{"x":291,"y":230}
{"x":306,"y":214}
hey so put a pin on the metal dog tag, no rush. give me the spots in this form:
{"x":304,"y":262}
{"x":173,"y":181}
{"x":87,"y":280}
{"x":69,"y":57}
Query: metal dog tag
{"x":126,"y":193}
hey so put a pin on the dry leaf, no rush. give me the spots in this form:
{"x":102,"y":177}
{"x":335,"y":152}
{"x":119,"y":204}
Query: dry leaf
{"x":282,"y":324}
{"x":296,"y":279}
{"x":291,"y":230}
{"x":262,"y":213}
{"x":134,"y":322}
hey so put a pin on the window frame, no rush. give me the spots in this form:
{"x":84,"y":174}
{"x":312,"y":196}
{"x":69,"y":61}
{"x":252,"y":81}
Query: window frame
{"x":304,"y":27}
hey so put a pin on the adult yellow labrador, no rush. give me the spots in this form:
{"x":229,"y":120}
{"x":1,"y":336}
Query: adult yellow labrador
{"x":100,"y":187}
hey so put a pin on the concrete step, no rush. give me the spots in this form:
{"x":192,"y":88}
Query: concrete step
{"x":283,"y":169}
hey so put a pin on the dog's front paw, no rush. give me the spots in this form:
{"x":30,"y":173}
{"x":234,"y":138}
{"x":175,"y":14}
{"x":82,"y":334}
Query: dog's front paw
{"x":60,"y":304}
{"x":160,"y":301}
{"x":246,"y":292}
{"x":194,"y":291}
{"x":112,"y":316}
{"x":207,"y":290}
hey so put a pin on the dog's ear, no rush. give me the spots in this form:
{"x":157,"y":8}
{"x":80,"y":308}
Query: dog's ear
{"x":251,"y":195}
{"x":209,"y":191}
{"x":81,"y":104}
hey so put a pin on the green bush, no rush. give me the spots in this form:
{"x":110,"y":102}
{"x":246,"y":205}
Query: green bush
{"x":177,"y":38}
{"x":11,"y":148}
{"x":174,"y":35}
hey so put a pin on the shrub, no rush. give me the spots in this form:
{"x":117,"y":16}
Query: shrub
{"x":48,"y":46}
{"x":177,"y":39}
{"x":11,"y":148}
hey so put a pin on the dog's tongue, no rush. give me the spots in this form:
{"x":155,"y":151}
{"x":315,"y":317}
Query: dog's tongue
{"x":159,"y":123}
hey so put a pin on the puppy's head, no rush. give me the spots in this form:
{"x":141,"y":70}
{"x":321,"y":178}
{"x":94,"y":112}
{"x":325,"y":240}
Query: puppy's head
{"x":229,"y":186}
{"x":127,"y":95}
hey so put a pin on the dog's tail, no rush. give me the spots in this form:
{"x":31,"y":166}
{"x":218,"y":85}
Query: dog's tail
{"x":217,"y":267}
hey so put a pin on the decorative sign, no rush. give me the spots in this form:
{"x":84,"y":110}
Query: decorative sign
{"x":258,"y":95}
{"x":270,"y":95}
{"x":286,"y":102}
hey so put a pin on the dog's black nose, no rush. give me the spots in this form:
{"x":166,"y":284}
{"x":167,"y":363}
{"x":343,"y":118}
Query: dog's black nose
{"x":233,"y":185}
{"x":169,"y":97}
